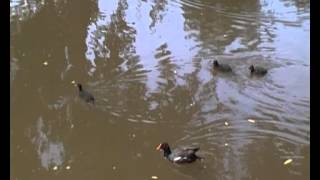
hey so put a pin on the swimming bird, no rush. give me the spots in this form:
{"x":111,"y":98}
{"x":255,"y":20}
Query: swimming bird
{"x":221,"y":67}
{"x":179,"y":156}
{"x":257,"y":70}
{"x":85,"y":95}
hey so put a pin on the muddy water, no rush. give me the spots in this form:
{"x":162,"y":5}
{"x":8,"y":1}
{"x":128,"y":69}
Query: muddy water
{"x":149,"y":65}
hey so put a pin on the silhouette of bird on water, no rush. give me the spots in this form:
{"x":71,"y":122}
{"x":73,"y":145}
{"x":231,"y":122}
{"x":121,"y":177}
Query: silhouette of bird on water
{"x":85,"y":95}
{"x":221,"y":67}
{"x":179,"y":156}
{"x":257,"y":70}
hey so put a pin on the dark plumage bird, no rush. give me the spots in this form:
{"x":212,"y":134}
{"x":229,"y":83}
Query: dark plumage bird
{"x":179,"y":156}
{"x":257,"y":70}
{"x":85,"y":95}
{"x":221,"y":67}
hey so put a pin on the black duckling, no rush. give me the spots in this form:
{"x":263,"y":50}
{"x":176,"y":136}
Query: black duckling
{"x":179,"y":156}
{"x":221,"y":67}
{"x":85,"y":95}
{"x":257,"y":70}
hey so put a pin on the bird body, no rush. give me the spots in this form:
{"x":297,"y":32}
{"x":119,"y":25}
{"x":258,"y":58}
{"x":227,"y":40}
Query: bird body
{"x":221,"y":67}
{"x":257,"y":70}
{"x":85,"y":95}
{"x":179,"y":156}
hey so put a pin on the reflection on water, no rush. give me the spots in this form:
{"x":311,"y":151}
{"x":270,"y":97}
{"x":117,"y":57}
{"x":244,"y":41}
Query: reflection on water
{"x":50,"y":153}
{"x":149,"y":65}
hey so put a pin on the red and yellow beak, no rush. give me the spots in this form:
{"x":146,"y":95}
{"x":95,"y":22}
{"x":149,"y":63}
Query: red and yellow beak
{"x":159,"y":146}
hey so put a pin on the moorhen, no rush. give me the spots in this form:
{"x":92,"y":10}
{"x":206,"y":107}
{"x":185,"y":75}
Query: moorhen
{"x":179,"y":156}
{"x":85,"y":95}
{"x":221,"y":67}
{"x":257,"y":70}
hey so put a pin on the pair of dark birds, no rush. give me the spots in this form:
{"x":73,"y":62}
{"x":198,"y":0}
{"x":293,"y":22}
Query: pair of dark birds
{"x":179,"y":156}
{"x":254,"y":70}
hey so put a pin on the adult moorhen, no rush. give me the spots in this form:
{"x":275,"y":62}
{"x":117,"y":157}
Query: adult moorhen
{"x":179,"y":156}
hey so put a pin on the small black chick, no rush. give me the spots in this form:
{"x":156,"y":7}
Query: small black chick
{"x":85,"y":95}
{"x":257,"y":70}
{"x":221,"y":67}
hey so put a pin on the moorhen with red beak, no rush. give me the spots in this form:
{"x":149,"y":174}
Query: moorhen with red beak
{"x":179,"y":156}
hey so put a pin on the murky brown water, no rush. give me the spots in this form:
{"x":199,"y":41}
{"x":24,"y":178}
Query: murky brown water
{"x":149,"y":65}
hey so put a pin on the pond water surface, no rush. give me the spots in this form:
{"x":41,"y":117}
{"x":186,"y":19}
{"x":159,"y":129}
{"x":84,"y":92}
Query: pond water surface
{"x":149,"y":65}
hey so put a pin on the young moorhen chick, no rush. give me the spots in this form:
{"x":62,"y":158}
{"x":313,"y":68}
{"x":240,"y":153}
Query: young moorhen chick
{"x":179,"y":156}
{"x":85,"y":95}
{"x":221,"y":67}
{"x":257,"y":70}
